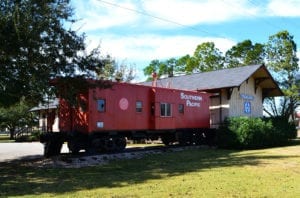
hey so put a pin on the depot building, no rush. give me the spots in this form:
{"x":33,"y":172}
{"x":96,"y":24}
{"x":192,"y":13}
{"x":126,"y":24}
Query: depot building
{"x":234,"y":92}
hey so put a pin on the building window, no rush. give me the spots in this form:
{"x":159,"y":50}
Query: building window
{"x":101,"y":105}
{"x":139,"y":106}
{"x":165,"y":109}
{"x":181,"y":108}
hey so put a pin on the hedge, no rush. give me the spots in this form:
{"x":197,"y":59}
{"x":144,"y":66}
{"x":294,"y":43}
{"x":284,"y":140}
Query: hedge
{"x":254,"y":133}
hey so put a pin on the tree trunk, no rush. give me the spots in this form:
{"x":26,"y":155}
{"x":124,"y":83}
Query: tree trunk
{"x":12,"y":134}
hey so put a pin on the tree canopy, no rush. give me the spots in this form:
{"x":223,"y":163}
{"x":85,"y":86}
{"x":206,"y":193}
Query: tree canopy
{"x":15,"y":116}
{"x":167,"y":67}
{"x":282,"y":60}
{"x":206,"y":58}
{"x":244,"y":53}
{"x":37,"y":47}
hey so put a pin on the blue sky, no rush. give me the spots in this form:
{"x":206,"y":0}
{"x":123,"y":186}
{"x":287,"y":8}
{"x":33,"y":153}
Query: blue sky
{"x":138,"y":31}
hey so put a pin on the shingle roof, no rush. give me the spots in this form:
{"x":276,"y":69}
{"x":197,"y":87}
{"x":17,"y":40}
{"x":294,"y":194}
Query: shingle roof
{"x":53,"y":104}
{"x":214,"y":80}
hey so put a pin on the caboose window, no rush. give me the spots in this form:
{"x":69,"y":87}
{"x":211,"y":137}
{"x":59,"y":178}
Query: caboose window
{"x":181,"y":108}
{"x":101,"y":105}
{"x":139,"y":106}
{"x":165,"y":109}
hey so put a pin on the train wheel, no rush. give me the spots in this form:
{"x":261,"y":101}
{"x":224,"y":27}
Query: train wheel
{"x":120,"y":143}
{"x":109,"y":144}
{"x":95,"y":146}
{"x":52,"y":148}
{"x":166,"y":140}
{"x":47,"y":149}
{"x":182,"y":138}
{"x":57,"y":147}
{"x":73,"y":146}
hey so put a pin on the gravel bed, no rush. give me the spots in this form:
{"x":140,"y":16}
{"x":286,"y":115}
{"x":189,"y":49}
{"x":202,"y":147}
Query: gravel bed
{"x":64,"y":161}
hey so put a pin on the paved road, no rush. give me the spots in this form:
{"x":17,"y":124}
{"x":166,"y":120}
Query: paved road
{"x":14,"y":151}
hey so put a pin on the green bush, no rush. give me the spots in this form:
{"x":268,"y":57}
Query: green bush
{"x":253,"y":133}
{"x":283,"y":126}
{"x":34,"y":136}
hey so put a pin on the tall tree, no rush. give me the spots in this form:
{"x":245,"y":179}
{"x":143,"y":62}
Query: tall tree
{"x":282,"y":60}
{"x":35,"y":47}
{"x":168,"y":67}
{"x":245,"y":53}
{"x":183,"y":62}
{"x":206,"y":58}
{"x":153,"y":67}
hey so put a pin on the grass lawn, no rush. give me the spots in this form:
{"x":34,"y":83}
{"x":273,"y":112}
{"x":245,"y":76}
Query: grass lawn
{"x":5,"y":139}
{"x":191,"y":173}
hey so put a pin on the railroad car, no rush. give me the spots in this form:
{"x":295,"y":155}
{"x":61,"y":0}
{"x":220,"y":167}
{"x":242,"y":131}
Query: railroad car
{"x":105,"y":118}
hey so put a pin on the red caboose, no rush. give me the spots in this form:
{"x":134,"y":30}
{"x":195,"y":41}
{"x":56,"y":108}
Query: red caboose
{"x":104,"y":118}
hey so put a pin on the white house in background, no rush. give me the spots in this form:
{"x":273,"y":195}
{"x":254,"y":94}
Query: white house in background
{"x":48,"y":115}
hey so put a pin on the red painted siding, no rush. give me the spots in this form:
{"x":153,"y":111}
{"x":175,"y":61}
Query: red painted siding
{"x":119,"y":111}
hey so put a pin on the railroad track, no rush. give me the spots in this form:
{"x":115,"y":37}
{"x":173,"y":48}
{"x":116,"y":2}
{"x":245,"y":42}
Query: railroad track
{"x":83,"y":159}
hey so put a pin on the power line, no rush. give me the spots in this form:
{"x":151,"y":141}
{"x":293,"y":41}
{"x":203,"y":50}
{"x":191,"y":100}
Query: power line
{"x":160,"y":18}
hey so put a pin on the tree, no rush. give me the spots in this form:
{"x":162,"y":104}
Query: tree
{"x":283,"y":62}
{"x":15,"y":116}
{"x":36,"y":47}
{"x":152,"y":68}
{"x":167,"y":67}
{"x":245,"y":53}
{"x":183,"y":62}
{"x":206,"y":58}
{"x":111,"y":70}
{"x":124,"y":73}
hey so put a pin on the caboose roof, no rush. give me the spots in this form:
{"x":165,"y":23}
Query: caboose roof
{"x":226,"y":78}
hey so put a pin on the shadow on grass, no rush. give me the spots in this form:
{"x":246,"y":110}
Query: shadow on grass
{"x":17,"y":180}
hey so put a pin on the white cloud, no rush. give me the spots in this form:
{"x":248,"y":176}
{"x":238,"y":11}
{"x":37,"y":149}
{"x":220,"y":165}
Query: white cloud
{"x":149,"y":47}
{"x":99,"y":15}
{"x":199,"y":12}
{"x":286,"y":8}
{"x":95,"y":14}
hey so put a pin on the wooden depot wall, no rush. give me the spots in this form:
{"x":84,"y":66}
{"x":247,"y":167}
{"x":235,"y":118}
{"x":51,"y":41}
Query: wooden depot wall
{"x":236,"y":101}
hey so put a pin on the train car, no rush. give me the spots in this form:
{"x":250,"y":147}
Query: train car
{"x":105,"y":118}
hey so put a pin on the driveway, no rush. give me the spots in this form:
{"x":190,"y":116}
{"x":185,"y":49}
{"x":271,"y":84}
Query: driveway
{"x":16,"y":151}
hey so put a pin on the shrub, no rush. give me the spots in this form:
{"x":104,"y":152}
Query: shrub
{"x":284,"y":127}
{"x":34,"y":136}
{"x":253,"y":133}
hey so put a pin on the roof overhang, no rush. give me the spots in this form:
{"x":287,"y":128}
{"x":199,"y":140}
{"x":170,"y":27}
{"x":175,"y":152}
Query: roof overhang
{"x":262,"y":78}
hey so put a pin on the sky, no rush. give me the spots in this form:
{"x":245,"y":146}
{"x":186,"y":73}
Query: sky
{"x":134,"y":32}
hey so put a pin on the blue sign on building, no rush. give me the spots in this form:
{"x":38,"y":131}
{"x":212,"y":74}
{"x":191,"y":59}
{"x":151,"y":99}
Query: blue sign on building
{"x":247,"y":107}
